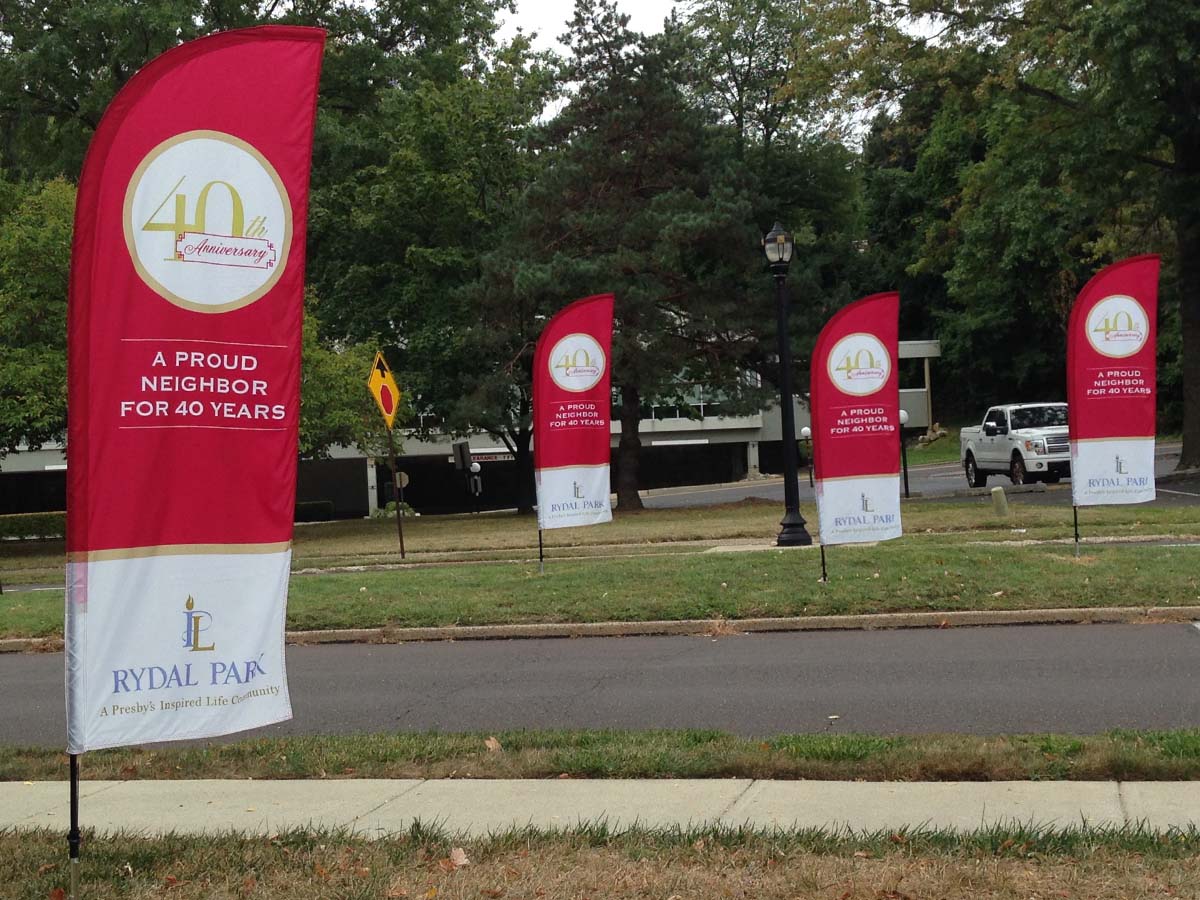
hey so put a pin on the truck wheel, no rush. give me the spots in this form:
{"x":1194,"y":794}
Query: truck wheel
{"x":1052,"y":478}
{"x":1016,"y":471}
{"x":975,"y":478}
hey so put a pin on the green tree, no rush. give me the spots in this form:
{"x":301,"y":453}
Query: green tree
{"x":636,"y":198}
{"x":745,"y":51}
{"x":399,"y":241}
{"x":747,"y":57}
{"x":61,"y":63}
{"x":35,"y":254}
{"x":1092,"y":132}
{"x":335,"y":406}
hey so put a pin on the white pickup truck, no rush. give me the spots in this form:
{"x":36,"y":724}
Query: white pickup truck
{"x":1025,"y":441}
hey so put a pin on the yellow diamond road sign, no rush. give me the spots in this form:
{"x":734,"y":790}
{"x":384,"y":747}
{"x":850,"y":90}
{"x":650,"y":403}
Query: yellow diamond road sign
{"x":383,"y":389}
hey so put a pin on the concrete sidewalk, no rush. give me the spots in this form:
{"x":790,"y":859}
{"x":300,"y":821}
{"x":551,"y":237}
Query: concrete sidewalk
{"x":375,"y":808}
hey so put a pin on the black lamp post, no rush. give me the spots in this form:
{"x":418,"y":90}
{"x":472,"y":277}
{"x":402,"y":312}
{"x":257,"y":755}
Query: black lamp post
{"x":777,"y":245}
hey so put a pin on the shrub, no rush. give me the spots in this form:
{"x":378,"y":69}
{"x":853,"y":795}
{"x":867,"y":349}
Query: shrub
{"x":389,"y":511}
{"x":33,"y":525}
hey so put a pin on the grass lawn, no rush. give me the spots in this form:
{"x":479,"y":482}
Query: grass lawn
{"x":593,"y":862}
{"x":915,"y":573}
{"x":439,"y":539}
{"x":1118,"y":755}
{"x":652,"y":565}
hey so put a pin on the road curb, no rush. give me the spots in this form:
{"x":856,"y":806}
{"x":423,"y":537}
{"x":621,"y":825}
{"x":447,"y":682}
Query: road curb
{"x":725,"y":627}
{"x":1091,"y":615}
{"x":31,"y":645}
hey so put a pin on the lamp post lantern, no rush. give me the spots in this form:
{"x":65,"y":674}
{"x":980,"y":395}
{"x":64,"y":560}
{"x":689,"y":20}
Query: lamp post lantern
{"x":904,"y":449}
{"x":777,"y":246}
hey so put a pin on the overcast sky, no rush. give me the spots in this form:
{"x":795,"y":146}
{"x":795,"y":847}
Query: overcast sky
{"x":549,"y":17}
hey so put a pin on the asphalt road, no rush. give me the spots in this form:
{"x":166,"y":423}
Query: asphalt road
{"x":931,"y":481}
{"x":1073,"y":678}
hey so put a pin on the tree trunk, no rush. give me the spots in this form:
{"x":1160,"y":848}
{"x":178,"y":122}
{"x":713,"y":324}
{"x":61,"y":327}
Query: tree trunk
{"x":526,"y":492}
{"x":1187,"y":237}
{"x":629,"y":450}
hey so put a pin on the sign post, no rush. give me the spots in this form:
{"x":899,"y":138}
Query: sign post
{"x":387,"y":396}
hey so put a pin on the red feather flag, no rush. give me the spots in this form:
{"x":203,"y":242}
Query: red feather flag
{"x":185,"y":311}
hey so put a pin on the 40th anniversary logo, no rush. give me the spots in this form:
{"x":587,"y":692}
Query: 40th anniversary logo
{"x":859,"y":364}
{"x":208,"y":222}
{"x":577,"y":363}
{"x":1118,"y":326}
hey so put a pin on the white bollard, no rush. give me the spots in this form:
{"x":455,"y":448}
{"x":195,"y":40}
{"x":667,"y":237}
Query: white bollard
{"x":999,"y":501}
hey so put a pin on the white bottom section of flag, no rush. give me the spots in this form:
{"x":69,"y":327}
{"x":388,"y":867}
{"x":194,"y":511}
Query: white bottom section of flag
{"x":1120,"y":470}
{"x":575,"y":495}
{"x":857,"y":510}
{"x":165,"y":648}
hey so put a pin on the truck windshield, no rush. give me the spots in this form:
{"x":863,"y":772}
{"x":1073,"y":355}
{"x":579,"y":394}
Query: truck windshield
{"x":1039,"y":417}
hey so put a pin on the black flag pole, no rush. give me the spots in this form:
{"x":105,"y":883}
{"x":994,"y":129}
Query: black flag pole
{"x":73,"y":834}
{"x":1075,"y":513}
{"x":824,"y":576}
{"x":541,"y":555}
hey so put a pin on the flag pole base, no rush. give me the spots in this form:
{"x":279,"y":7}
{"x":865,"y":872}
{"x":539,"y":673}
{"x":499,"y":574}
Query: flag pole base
{"x":73,"y":838}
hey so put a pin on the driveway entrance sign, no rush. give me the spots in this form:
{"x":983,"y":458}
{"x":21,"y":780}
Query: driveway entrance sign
{"x":383,"y":388}
{"x":184,"y":333}
{"x":855,"y":398}
{"x":1111,"y":384}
